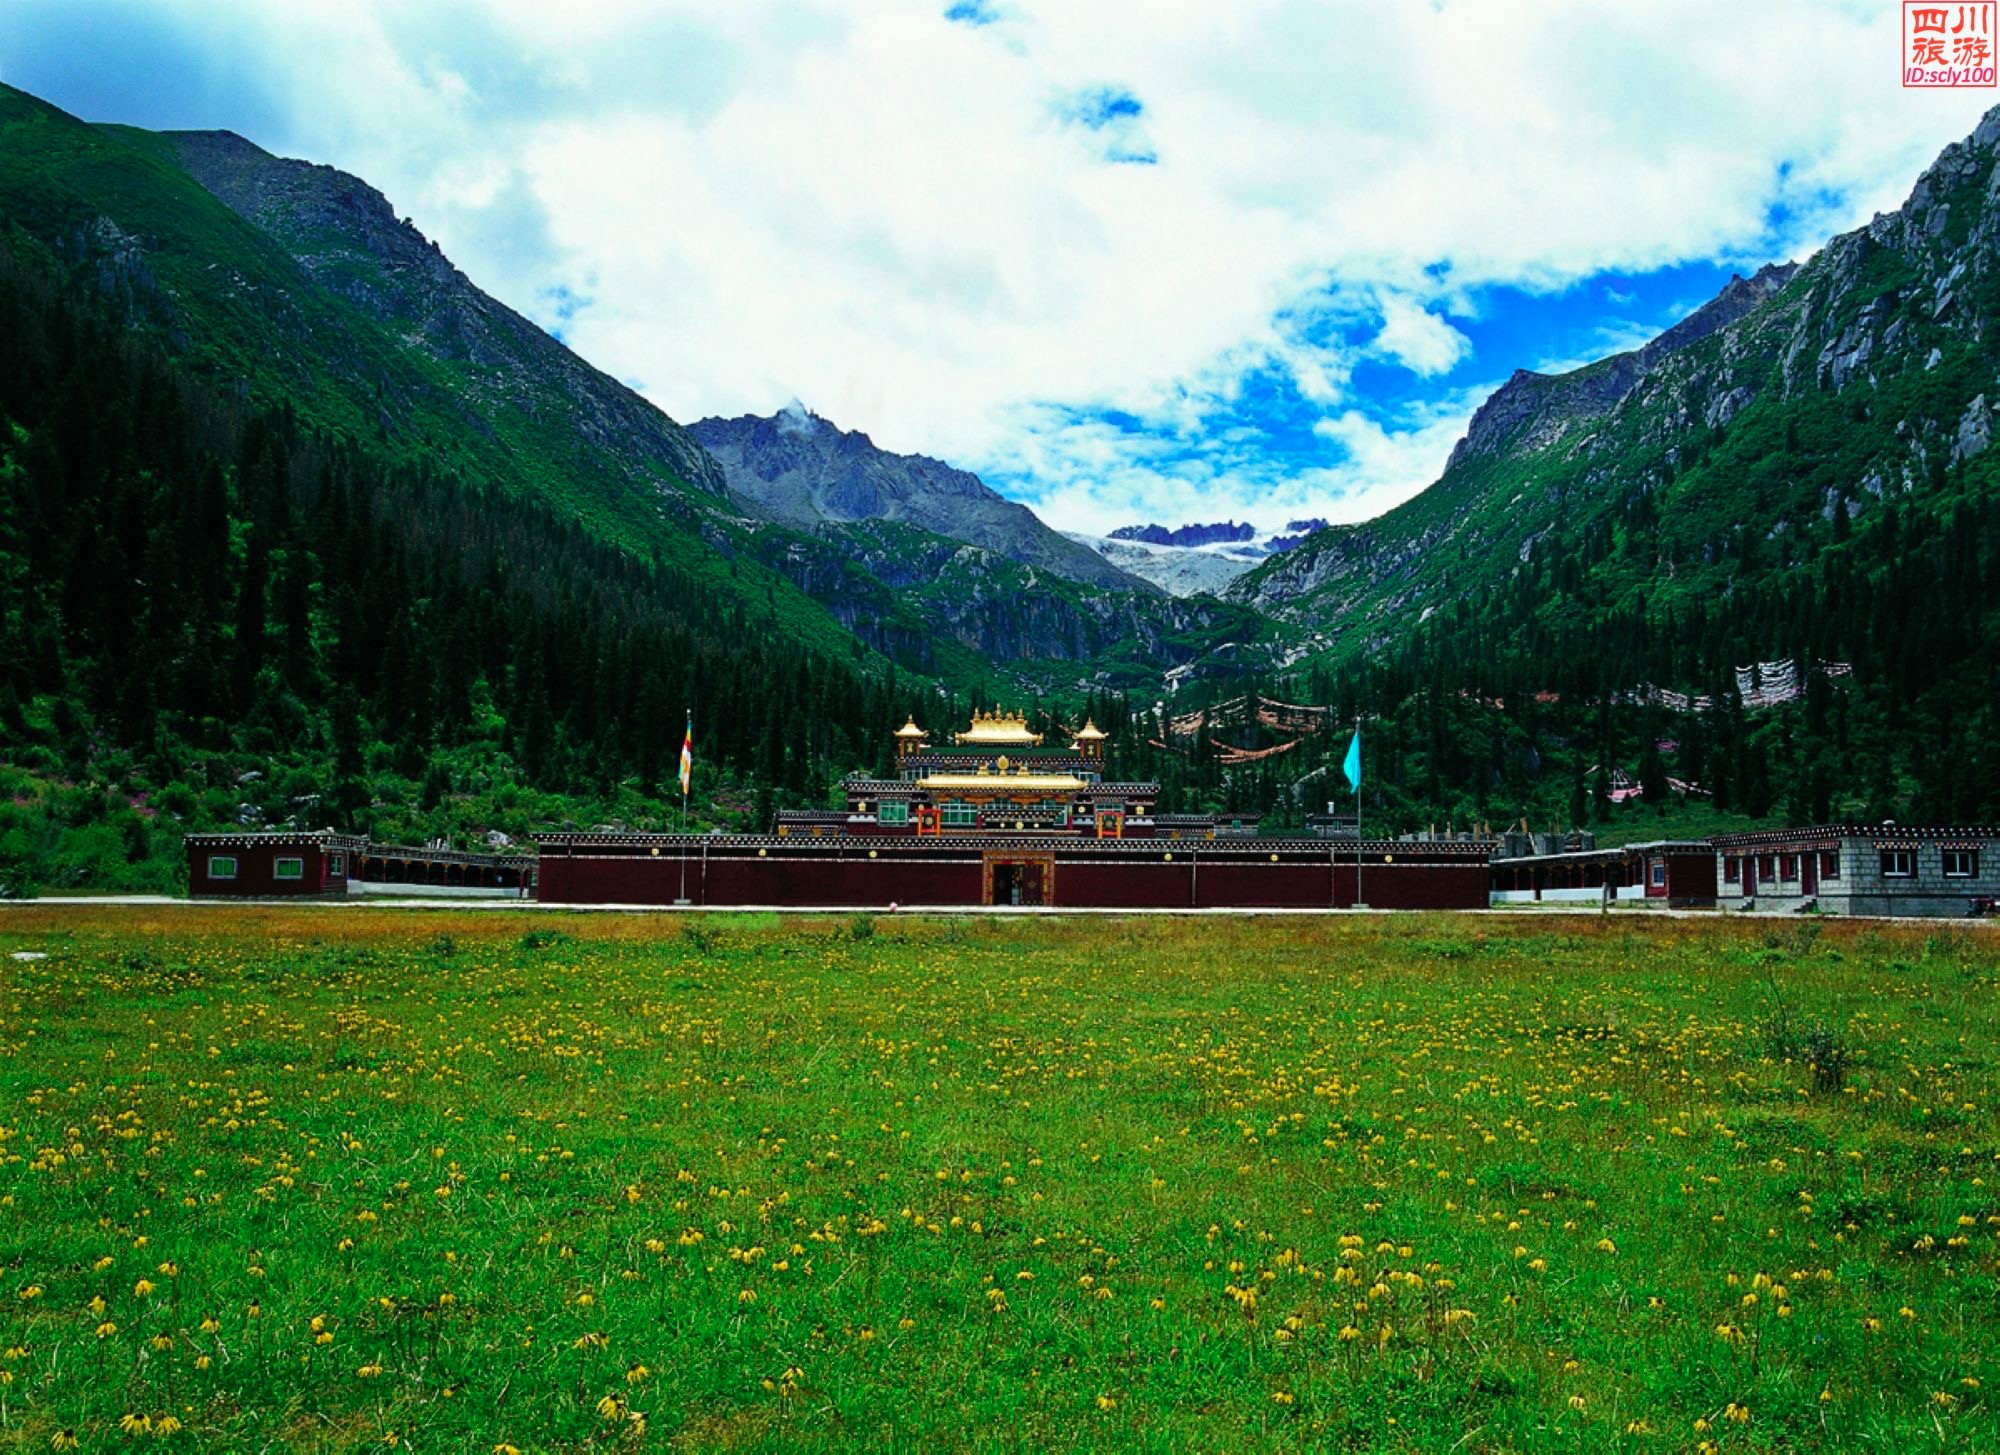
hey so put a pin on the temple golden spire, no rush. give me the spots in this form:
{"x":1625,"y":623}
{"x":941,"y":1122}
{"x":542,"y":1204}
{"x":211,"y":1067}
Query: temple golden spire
{"x":910,"y":738}
{"x":998,"y":729}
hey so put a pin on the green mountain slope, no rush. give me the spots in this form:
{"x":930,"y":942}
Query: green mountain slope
{"x":296,"y":525}
{"x":946,"y":608}
{"x":1852,"y":378}
{"x":1788,"y":506}
{"x":212,"y":615}
{"x":296,"y":287}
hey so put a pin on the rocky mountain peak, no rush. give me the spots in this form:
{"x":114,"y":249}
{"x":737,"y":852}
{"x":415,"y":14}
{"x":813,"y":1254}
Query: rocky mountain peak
{"x":1220,"y":532}
{"x":803,"y":470}
{"x":1895,"y":317}
{"x":1551,"y":405}
{"x":348,"y":238}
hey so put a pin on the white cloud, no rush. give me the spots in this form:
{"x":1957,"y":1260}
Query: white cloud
{"x":1419,"y":340}
{"x":891,"y":216}
{"x":1091,"y":476}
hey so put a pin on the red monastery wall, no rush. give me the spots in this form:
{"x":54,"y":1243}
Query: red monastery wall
{"x":1252,"y":874}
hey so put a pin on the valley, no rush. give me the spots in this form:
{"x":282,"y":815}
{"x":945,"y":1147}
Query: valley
{"x":283,"y":374}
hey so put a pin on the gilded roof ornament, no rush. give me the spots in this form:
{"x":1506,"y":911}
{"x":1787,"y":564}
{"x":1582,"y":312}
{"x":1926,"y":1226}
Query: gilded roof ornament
{"x":997,"y":728}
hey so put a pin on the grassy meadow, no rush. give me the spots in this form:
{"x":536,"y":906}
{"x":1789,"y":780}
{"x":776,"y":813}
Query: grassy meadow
{"x":332,"y":1179}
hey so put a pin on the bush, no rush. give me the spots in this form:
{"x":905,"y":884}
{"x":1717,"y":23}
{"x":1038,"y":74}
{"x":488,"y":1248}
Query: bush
{"x":1828,"y":1057}
{"x":861,"y":927}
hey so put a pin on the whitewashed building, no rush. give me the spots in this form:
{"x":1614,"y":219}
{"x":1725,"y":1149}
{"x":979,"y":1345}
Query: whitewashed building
{"x":1885,"y":868}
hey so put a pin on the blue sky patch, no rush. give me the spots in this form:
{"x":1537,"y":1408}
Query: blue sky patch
{"x":1264,"y":428}
{"x":1113,"y":115}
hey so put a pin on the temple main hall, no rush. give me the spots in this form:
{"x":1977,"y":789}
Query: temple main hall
{"x":998,"y":776}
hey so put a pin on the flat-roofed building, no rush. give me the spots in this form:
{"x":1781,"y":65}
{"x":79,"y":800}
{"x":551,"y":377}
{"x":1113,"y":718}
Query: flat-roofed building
{"x":282,"y":863}
{"x":1885,"y":868}
{"x":1672,"y":873}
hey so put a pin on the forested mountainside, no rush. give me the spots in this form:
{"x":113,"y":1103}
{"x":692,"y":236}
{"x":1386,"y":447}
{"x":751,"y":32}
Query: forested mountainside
{"x":302,"y":527}
{"x":365,"y":329}
{"x":959,"y":611}
{"x":211,"y":614}
{"x":1800,"y":475}
{"x":282,"y":282}
{"x":928,"y":565}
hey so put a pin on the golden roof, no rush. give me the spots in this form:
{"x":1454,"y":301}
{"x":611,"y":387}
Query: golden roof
{"x":910,"y":730}
{"x":1090,"y":729}
{"x":1008,"y":782}
{"x":995,"y":728}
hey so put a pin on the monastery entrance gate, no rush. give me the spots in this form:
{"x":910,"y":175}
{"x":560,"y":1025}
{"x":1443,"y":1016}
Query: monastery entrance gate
{"x":1011,"y":877}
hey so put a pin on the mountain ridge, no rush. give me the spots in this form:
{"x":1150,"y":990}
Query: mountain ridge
{"x":803,"y":470}
{"x":345,"y":234}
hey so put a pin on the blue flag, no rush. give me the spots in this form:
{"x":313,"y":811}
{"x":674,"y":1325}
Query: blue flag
{"x":1352,"y":767}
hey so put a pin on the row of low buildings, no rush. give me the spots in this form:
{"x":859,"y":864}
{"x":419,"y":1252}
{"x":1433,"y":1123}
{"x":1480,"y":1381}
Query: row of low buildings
{"x":995,"y":817}
{"x":1856,"y":869}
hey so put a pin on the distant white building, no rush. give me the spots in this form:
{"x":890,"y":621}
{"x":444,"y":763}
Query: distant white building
{"x":1886,"y":868}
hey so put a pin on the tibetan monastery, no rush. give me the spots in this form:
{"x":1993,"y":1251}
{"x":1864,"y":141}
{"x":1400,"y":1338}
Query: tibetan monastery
{"x":999,"y":778}
{"x":999,"y":817}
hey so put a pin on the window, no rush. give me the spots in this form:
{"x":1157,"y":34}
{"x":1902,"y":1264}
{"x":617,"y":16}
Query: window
{"x":1829,"y":864}
{"x":1961,"y":863}
{"x":221,"y":866}
{"x":1788,"y":868}
{"x":1767,"y":868}
{"x":288,"y":869}
{"x":1659,"y":873}
{"x":336,"y":864}
{"x":1732,"y":871}
{"x":958,"y":815}
{"x":1899,"y":863}
{"x":893,"y":813}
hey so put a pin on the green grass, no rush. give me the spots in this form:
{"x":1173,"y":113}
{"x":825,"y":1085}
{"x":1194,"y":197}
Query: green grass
{"x":560,"y":1182}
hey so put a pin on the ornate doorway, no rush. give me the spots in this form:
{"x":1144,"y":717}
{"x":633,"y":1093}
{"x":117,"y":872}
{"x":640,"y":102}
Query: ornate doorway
{"x":1011,"y":877}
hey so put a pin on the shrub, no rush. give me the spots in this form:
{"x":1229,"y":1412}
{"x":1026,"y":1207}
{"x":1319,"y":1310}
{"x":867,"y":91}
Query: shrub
{"x":1829,"y":1058}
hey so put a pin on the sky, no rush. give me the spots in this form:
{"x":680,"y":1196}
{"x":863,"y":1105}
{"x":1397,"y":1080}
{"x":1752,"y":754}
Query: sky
{"x":1173,"y":261}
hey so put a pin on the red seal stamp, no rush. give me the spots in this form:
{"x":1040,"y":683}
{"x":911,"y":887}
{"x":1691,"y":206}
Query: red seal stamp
{"x":1948,"y":44}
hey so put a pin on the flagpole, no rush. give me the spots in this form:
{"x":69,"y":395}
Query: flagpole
{"x":1359,"y":902}
{"x":685,"y":775}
